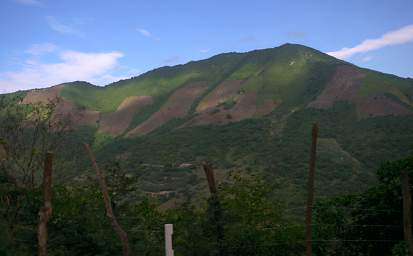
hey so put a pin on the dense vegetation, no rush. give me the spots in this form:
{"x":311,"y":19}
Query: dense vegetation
{"x":260,"y":164}
{"x":254,"y":220}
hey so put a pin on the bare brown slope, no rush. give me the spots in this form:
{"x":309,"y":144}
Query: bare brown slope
{"x":212,"y":110}
{"x":245,"y":107}
{"x":224,"y":91}
{"x":177,"y":106}
{"x":75,"y":115}
{"x":345,"y":86}
{"x":43,"y":95}
{"x":117,"y":122}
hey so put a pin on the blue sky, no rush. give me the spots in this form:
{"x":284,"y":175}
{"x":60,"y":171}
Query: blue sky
{"x":45,"y":42}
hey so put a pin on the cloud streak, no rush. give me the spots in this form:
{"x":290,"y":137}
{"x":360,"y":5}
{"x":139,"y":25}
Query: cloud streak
{"x":399,"y":36}
{"x":28,"y":2}
{"x":146,"y":33}
{"x":61,"y":28}
{"x":73,"y":65}
{"x":367,"y":58}
{"x":39,"y":49}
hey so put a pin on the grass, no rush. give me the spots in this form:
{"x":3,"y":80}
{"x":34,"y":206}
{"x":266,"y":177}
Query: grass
{"x":376,"y":82}
{"x":107,"y":99}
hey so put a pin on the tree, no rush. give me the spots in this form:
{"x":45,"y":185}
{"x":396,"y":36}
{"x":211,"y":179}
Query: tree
{"x":27,"y":132}
{"x":371,"y":222}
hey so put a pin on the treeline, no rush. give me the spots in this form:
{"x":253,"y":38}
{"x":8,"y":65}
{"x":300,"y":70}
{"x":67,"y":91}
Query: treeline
{"x":252,"y":221}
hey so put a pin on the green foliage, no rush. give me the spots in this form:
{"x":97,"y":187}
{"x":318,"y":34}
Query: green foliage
{"x":253,"y":223}
{"x":376,"y":82}
{"x":250,"y":221}
{"x":371,"y":222}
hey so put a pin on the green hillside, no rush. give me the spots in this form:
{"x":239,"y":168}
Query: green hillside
{"x":255,"y":113}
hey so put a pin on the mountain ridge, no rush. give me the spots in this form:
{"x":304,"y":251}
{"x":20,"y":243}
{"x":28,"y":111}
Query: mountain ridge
{"x":248,"y":111}
{"x":287,"y":77}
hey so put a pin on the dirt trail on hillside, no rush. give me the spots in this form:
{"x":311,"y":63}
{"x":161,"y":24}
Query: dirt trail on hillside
{"x":117,"y":123}
{"x":177,"y":106}
{"x":345,"y":86}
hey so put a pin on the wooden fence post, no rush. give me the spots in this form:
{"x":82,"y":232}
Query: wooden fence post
{"x":310,"y":198}
{"x":45,"y":212}
{"x":123,"y":236}
{"x":169,"y":230}
{"x":214,"y":205}
{"x":407,"y":210}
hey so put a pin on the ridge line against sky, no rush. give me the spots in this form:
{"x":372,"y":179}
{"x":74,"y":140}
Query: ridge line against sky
{"x":60,"y":42}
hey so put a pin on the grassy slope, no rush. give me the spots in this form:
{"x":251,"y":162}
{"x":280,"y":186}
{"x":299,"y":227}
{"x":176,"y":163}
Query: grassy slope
{"x":291,"y":74}
{"x":157,"y":83}
{"x":350,"y":148}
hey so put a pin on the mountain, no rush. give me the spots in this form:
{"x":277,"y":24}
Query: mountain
{"x":251,"y":111}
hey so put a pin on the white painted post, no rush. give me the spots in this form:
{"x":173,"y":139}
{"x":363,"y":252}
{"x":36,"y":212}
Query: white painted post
{"x":169,"y":230}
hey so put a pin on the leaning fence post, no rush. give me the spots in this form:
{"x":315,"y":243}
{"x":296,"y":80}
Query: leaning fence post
{"x":123,"y":236}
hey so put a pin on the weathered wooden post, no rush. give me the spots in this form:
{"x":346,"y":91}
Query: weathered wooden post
{"x":45,"y":212}
{"x":214,"y":204}
{"x":123,"y":236}
{"x":407,"y":210}
{"x":169,"y":230}
{"x":310,"y":198}
{"x":210,"y":178}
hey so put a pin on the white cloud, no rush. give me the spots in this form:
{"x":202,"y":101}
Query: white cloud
{"x":367,"y":58}
{"x":204,"y":50}
{"x":28,"y":2}
{"x":109,"y":78}
{"x":147,"y":34}
{"x":73,"y":66}
{"x":39,"y":49}
{"x":60,"y":27}
{"x":399,"y":36}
